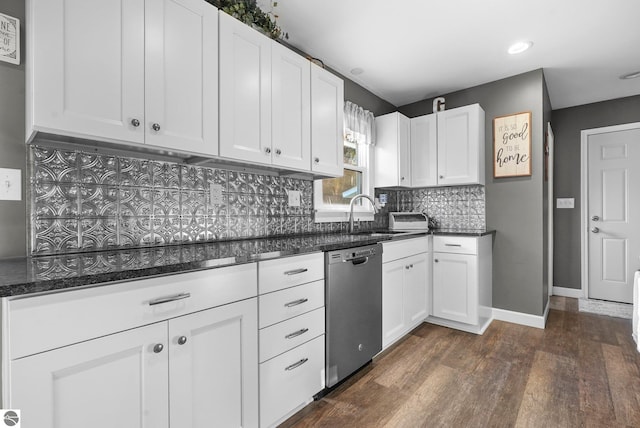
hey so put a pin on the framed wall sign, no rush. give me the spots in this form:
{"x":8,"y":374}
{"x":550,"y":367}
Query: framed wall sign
{"x":512,"y":145}
{"x":9,"y":39}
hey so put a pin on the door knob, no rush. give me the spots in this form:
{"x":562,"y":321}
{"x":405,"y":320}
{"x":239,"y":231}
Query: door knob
{"x":595,"y":230}
{"x":595,"y":218}
{"x":155,"y":127}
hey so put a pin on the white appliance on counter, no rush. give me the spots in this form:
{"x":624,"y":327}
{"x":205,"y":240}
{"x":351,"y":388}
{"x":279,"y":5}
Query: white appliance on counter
{"x":408,"y":221}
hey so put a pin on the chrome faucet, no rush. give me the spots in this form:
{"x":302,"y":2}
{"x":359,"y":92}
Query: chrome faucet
{"x":356,"y":197}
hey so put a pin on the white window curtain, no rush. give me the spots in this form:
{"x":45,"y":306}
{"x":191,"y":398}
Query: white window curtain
{"x":359,"y":124}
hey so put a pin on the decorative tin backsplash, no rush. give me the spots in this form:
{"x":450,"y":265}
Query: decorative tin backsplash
{"x":459,"y":207}
{"x":82,"y":201}
{"x":87,"y":201}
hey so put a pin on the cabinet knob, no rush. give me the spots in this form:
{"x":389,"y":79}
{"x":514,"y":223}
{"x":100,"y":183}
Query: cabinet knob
{"x":316,"y":160}
{"x":595,"y":230}
{"x":267,"y":150}
{"x":407,"y":266}
{"x":182,"y":340}
{"x":442,"y":176}
{"x":401,"y":178}
{"x":155,"y":127}
{"x":135,"y":123}
{"x":158,"y":348}
{"x":595,"y":218}
{"x":278,"y":152}
{"x":435,"y":261}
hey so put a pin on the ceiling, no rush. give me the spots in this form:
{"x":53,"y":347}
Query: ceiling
{"x":410,"y":50}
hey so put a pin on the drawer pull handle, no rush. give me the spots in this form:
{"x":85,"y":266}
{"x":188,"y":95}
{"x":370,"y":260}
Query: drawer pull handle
{"x":296,"y":333}
{"x":296,"y":271}
{"x":168,"y":299}
{"x":296,"y":303}
{"x":296,"y":365}
{"x":453,"y":245}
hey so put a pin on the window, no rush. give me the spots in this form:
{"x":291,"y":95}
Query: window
{"x":333,"y":195}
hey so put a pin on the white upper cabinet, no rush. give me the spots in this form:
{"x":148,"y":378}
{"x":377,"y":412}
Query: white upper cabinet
{"x":461,"y":146}
{"x":442,"y":149}
{"x":291,"y":112}
{"x":181,"y":69}
{"x":245,"y":92}
{"x":392,"y":158}
{"x":424,"y":151}
{"x":327,"y":124}
{"x":132,"y":72}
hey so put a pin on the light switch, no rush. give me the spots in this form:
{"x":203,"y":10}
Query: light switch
{"x":294,"y":198}
{"x":10,"y":184}
{"x":565,"y":202}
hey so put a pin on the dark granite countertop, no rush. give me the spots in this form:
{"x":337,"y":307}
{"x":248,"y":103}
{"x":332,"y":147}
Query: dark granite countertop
{"x":29,"y":275}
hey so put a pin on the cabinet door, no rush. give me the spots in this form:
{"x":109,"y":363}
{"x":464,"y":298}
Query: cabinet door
{"x":213,"y":370}
{"x":393,"y":319}
{"x":404,"y":167}
{"x":86,"y":68}
{"x":455,"y":287}
{"x":291,"y":116}
{"x":113,"y":381}
{"x":245,"y":92}
{"x":461,"y":146}
{"x":327,"y":125}
{"x":181,"y":75}
{"x":424,"y":151}
{"x":416,"y":288}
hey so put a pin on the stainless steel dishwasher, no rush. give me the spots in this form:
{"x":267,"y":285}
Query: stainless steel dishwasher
{"x":353,"y":309}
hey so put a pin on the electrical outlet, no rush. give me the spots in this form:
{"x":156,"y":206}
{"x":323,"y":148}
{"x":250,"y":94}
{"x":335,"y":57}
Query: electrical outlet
{"x":10,"y":184}
{"x":565,"y":203}
{"x":215,"y":193}
{"x":294,"y":198}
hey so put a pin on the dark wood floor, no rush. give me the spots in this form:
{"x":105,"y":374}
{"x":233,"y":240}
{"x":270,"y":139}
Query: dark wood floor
{"x":582,"y":370}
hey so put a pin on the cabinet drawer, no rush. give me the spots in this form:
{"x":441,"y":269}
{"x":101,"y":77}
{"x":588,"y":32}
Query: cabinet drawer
{"x":294,"y":301}
{"x":407,"y":247}
{"x":279,"y":338}
{"x":455,"y":244}
{"x":277,"y":274}
{"x":290,"y":379}
{"x":50,"y":321}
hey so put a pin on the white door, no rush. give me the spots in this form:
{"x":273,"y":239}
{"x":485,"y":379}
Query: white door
{"x":291,"y":115}
{"x":245,"y":92}
{"x":613,"y":214}
{"x":214,"y":367}
{"x":87,"y":59}
{"x":455,"y":287}
{"x":181,"y":75}
{"x":416,"y":300}
{"x":327,"y":124}
{"x":114,"y":381}
{"x":424,"y":151}
{"x":550,"y":199}
{"x":460,"y":143}
{"x":392,"y":301}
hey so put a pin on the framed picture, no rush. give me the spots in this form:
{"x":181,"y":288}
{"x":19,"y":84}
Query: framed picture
{"x":9,"y":39}
{"x":512,"y":145}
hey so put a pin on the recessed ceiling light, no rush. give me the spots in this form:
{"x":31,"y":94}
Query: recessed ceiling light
{"x":356,"y":71}
{"x":519,"y":47}
{"x":630,"y":75}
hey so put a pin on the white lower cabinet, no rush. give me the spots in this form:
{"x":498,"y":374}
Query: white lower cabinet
{"x":292,"y":327}
{"x":462,"y":282}
{"x":174,"y":367}
{"x":405,"y":287}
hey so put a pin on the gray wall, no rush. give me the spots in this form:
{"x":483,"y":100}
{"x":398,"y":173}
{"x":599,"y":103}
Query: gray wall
{"x":514,"y":206}
{"x":13,"y":225}
{"x":567,"y":124}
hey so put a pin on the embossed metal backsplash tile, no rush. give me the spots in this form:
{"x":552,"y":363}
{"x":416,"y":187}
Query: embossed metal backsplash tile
{"x":87,"y":202}
{"x":458,"y":207}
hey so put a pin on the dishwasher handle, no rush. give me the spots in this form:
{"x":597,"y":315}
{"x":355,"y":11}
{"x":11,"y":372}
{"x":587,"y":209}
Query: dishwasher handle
{"x":358,"y":260}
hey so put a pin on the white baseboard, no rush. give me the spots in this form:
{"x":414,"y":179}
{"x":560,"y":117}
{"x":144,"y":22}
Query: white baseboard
{"x":537,"y":321}
{"x":576,"y":293}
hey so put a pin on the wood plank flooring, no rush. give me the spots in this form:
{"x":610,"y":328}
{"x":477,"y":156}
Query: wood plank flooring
{"x":583,"y":370}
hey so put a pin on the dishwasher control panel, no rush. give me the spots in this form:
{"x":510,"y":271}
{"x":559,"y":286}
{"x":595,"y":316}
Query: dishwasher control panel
{"x":354,"y":253}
